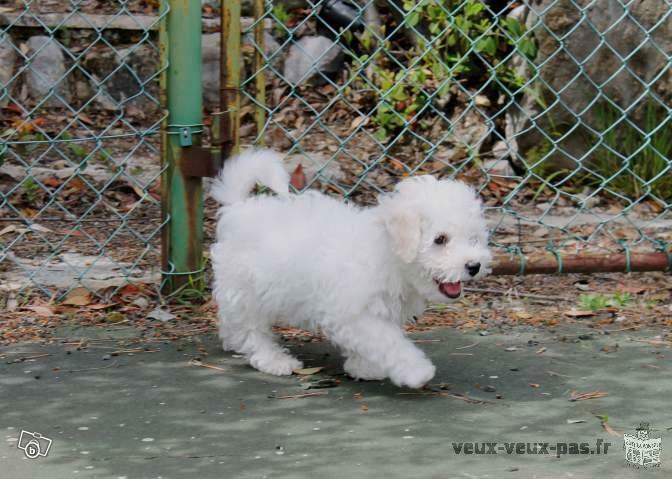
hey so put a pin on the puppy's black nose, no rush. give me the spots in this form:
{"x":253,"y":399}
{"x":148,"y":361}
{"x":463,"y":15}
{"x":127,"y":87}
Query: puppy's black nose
{"x":473,"y":268}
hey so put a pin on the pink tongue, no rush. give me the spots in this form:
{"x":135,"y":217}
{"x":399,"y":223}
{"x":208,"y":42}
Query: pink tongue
{"x":451,"y":289}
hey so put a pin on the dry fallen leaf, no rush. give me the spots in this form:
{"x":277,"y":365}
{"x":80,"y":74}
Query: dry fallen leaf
{"x":364,"y":408}
{"x":307,"y":371}
{"x":40,"y":228}
{"x":522,"y":314}
{"x":12,"y":229}
{"x":579,"y":313}
{"x":298,"y":179}
{"x":78,"y":297}
{"x":96,"y":307}
{"x":358,"y":121}
{"x":85,"y":119}
{"x":632,"y":289}
{"x":44,"y":311}
{"x":534,"y":385}
{"x":577,"y":396}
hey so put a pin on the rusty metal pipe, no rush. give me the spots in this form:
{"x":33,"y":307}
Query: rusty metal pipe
{"x":549,"y":263}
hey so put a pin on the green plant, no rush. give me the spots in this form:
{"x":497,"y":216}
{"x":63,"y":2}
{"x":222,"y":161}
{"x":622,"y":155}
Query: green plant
{"x":195,"y":291}
{"x":594,"y":302}
{"x":631,"y":157}
{"x":634,"y":159}
{"x":31,"y":190}
{"x":454,"y":41}
{"x":283,"y":19}
{"x":75,"y":148}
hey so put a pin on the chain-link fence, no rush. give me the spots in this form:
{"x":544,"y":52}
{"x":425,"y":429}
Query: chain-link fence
{"x":79,"y":145}
{"x":558,"y":111}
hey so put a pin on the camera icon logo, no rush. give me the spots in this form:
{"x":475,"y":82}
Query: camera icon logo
{"x":34,"y":444}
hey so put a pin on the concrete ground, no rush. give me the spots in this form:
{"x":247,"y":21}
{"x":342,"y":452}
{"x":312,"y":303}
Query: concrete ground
{"x":160,"y":415}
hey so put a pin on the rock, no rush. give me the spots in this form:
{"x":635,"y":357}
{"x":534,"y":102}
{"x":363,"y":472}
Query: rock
{"x":470,"y":129}
{"x":45,"y":74}
{"x":137,"y":170}
{"x":498,"y":168}
{"x":7,"y":64}
{"x":211,"y":60}
{"x":126,"y":76}
{"x":311,"y":56}
{"x":66,"y":269}
{"x":500,"y":165}
{"x":576,"y":63}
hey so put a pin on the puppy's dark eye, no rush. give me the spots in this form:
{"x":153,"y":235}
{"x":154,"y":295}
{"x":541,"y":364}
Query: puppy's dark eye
{"x":441,"y":239}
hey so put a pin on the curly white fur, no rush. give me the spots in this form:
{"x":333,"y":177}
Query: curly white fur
{"x":358,"y":274}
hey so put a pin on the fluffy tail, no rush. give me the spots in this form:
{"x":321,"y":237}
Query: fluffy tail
{"x":241,"y":173}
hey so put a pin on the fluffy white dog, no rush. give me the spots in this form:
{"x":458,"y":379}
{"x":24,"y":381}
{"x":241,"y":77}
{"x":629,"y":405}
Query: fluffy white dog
{"x":358,"y":274}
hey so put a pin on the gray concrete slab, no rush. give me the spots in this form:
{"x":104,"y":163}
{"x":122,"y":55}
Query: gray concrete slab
{"x":153,"y":415}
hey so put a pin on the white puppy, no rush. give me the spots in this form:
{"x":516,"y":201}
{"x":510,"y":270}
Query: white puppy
{"x":358,"y":274}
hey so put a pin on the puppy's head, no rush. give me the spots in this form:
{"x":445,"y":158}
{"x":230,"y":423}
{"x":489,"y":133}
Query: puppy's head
{"x":438,"y":230}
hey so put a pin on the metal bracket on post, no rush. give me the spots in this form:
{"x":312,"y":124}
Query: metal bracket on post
{"x":185,"y":136}
{"x":199,"y":162}
{"x":195,"y":161}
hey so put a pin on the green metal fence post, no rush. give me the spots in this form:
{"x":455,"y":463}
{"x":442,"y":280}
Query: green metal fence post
{"x":182,"y":194}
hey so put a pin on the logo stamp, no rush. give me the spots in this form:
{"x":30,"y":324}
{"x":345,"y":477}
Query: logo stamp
{"x":641,"y":450}
{"x":34,"y":444}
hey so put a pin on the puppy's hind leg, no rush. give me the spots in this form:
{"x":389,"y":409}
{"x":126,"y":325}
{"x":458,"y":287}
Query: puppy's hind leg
{"x":259,"y":347}
{"x":268,"y":356}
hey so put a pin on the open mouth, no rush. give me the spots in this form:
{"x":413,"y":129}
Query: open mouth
{"x":451,"y":290}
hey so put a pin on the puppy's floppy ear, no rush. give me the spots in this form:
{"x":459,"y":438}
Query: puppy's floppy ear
{"x":403,"y":226}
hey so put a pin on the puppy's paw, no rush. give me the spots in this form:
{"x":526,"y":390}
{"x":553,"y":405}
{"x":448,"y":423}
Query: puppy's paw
{"x":275,"y":363}
{"x":358,"y":368}
{"x":414,"y":375}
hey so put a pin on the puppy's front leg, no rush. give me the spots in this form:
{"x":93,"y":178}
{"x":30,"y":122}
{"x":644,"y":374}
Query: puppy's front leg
{"x":383,"y":345}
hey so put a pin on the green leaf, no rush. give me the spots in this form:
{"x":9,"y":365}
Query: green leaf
{"x":487,"y":45}
{"x":514,"y":27}
{"x":472,"y":9}
{"x":528,"y":48}
{"x":380,"y":135}
{"x":412,"y":19}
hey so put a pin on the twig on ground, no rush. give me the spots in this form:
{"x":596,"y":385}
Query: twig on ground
{"x":299,"y":396}
{"x":92,"y":369}
{"x":465,"y":398}
{"x":26,"y":358}
{"x":468,"y":346}
{"x":461,"y":397}
{"x":193,"y":362}
{"x":511,"y":293}
{"x":653,"y":342}
{"x":622,"y":329}
{"x":553,"y":373}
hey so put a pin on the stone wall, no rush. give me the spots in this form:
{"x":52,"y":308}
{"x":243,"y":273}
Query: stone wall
{"x":604,"y":54}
